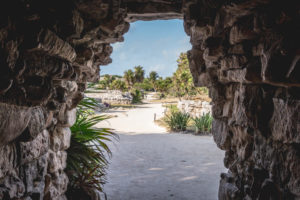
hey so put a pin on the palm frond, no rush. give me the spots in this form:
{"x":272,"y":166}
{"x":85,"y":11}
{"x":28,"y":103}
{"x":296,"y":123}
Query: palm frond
{"x":88,"y":154}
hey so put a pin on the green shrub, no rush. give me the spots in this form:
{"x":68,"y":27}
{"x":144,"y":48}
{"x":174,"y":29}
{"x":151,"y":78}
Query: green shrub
{"x":145,"y":85}
{"x":203,"y":123}
{"x":137,"y":96}
{"x":177,"y":121}
{"x":118,"y":85}
{"x":87,"y":155}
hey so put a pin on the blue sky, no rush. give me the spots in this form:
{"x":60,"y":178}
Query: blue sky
{"x":155,"y":45}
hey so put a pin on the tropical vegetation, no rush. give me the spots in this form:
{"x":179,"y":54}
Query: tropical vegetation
{"x":203,"y":124}
{"x":88,"y":153}
{"x":179,"y":85}
{"x":177,"y":121}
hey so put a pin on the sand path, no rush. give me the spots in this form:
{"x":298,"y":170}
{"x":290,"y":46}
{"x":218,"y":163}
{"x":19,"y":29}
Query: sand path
{"x":150,"y":164}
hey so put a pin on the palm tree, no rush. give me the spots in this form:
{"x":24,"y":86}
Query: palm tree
{"x":129,"y":78}
{"x":118,"y":85}
{"x":139,"y":74}
{"x":153,"y":77}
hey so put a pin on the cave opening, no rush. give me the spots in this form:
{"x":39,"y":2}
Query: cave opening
{"x":246,"y":52}
{"x":148,"y":161}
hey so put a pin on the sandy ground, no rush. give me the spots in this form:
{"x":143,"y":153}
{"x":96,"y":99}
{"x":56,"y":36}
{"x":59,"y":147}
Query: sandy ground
{"x":150,"y":164}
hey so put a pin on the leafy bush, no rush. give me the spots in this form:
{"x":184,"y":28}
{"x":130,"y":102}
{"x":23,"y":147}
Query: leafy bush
{"x":177,"y":121}
{"x":203,"y":123}
{"x":87,"y":155}
{"x":137,"y":96}
{"x":118,"y":85}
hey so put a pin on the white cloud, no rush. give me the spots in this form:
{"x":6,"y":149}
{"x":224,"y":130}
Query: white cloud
{"x":123,"y":56}
{"x":117,"y":46}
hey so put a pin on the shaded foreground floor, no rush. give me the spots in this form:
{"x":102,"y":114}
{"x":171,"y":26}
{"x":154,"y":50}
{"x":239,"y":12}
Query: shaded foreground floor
{"x":161,"y":166}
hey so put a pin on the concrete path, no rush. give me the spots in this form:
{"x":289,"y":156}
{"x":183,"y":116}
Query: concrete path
{"x":150,"y":164}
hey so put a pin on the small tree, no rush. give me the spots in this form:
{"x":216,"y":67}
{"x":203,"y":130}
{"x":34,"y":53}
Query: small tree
{"x":164,"y":85}
{"x":182,"y":78}
{"x":118,"y":85}
{"x":129,"y":78}
{"x":145,"y":85}
{"x":153,"y":77}
{"x":139,"y":74}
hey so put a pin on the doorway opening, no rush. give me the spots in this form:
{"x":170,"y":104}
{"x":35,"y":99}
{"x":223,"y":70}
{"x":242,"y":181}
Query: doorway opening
{"x":152,"y":159}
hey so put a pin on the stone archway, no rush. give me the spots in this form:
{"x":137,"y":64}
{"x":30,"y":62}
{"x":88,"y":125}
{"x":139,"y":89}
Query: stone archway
{"x":246,"y":52}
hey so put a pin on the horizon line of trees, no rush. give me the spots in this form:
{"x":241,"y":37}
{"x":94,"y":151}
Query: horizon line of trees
{"x":179,"y":84}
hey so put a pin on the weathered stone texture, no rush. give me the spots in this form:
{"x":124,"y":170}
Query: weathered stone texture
{"x":246,"y":52}
{"x":196,"y":108}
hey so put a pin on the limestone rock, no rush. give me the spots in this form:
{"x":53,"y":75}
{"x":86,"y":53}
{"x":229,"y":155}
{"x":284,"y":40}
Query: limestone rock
{"x":11,"y":113}
{"x":56,"y":161}
{"x":34,"y":176}
{"x":8,"y":155}
{"x":32,"y":150}
{"x":11,"y":186}
{"x":61,"y":139}
{"x":196,"y":108}
{"x":68,"y":117}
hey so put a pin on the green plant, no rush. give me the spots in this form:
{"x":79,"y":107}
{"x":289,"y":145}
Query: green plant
{"x":145,"y":85}
{"x":87,"y":155}
{"x":139,"y":73}
{"x":118,"y":85}
{"x":129,"y":78}
{"x":136,"y":96}
{"x":153,"y":76}
{"x":203,"y":123}
{"x":177,"y":121}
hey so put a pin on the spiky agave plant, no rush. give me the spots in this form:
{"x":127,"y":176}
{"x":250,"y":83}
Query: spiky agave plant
{"x":203,"y":124}
{"x":87,"y":155}
{"x":177,"y":121}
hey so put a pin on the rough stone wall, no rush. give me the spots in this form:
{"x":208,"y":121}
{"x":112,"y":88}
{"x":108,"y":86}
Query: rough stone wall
{"x":196,"y":108}
{"x":112,"y":97}
{"x":49,"y":50}
{"x":246,"y":52}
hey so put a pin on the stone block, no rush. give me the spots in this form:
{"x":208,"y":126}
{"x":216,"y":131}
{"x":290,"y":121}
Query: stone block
{"x":241,"y":32}
{"x":57,"y":161}
{"x":227,"y":188}
{"x":47,"y":41}
{"x":37,"y":122}
{"x":8,"y":159}
{"x":221,"y":134}
{"x":213,"y":54}
{"x":12,"y":187}
{"x":57,"y":185}
{"x":285,"y":122}
{"x":33,"y":174}
{"x":233,"y":62}
{"x":67,"y":117}
{"x":60,"y":139}
{"x":32,"y":150}
{"x":11,"y":113}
